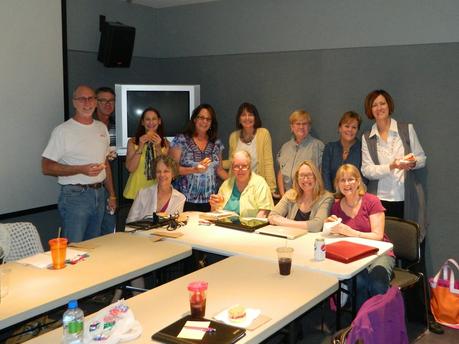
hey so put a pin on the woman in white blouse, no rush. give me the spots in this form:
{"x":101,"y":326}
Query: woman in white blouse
{"x":161,"y":197}
{"x":390,"y":152}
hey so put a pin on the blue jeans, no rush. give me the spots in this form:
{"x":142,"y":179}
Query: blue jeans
{"x":109,"y":221}
{"x":81,"y":209}
{"x":375,"y":279}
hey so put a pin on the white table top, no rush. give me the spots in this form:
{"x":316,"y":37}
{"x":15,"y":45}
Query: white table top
{"x":254,"y":283}
{"x":114,"y":258}
{"x":229,"y":242}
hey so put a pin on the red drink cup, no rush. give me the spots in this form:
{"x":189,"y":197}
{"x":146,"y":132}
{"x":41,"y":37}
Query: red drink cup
{"x":198,"y":296}
{"x":58,"y":247}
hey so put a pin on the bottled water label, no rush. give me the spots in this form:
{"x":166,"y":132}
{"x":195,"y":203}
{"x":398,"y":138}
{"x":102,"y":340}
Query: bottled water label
{"x":75,"y":327}
{"x":73,"y":322}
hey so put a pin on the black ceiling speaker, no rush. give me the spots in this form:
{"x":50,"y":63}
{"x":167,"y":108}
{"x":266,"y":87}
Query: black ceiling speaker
{"x":116,"y":44}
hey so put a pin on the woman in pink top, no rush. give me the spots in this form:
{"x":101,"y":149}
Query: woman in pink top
{"x":362,"y":216}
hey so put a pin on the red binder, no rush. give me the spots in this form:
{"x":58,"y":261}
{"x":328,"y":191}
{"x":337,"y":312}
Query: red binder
{"x":346,"y":251}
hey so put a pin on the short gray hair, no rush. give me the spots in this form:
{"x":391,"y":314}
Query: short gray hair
{"x":245,"y":154}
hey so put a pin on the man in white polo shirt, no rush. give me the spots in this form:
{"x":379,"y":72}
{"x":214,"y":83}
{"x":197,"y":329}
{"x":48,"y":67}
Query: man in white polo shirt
{"x":77,"y":154}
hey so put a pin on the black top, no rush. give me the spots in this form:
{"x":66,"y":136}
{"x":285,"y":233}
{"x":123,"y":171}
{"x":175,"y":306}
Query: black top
{"x":300,"y":216}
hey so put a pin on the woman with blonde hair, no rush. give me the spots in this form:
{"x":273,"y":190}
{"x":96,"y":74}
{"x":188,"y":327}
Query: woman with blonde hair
{"x":302,"y":146}
{"x":362,"y":216}
{"x":307,"y":205}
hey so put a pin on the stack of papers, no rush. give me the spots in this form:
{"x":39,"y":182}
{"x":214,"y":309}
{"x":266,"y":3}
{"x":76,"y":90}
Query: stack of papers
{"x":194,"y":330}
{"x":282,"y":231}
{"x":44,"y":260}
{"x":217,"y":215}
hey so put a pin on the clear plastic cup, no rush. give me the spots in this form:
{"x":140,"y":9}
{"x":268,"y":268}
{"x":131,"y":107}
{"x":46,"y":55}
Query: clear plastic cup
{"x":198,"y":295}
{"x":193,"y":219}
{"x":284,"y":255}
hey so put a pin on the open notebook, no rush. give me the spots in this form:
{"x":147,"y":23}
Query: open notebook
{"x":282,"y":231}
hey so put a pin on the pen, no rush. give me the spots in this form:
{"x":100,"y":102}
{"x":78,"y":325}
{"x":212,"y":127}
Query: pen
{"x":78,"y":258}
{"x":204,"y":223}
{"x":205,"y":329}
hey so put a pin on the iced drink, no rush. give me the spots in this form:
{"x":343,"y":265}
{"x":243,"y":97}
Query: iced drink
{"x":284,"y":255}
{"x":198,"y":296}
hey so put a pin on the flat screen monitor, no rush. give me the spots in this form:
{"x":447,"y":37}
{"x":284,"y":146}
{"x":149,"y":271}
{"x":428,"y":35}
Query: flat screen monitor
{"x":175,"y":103}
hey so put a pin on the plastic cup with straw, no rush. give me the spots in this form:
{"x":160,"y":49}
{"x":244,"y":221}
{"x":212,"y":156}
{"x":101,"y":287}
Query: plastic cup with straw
{"x":58,"y":247}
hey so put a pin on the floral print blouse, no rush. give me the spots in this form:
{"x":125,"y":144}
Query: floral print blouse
{"x":197,"y":187}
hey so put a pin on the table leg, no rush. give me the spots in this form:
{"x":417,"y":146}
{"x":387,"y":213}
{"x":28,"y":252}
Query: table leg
{"x":338,"y":307}
{"x":354,"y":297}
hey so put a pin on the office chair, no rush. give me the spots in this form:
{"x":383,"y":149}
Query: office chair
{"x":405,"y":236}
{"x":19,"y":240}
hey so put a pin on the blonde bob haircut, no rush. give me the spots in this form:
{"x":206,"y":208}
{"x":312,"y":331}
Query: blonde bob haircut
{"x":299,"y":115}
{"x":355,"y":173}
{"x":319,"y":189}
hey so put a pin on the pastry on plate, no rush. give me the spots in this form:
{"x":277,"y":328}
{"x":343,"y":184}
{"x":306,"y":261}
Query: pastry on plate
{"x":237,"y":313}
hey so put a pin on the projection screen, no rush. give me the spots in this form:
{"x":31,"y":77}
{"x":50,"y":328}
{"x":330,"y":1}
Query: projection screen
{"x":31,"y":100}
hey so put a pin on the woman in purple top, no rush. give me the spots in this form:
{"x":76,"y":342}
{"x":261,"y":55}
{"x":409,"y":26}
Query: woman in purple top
{"x":362,"y":216}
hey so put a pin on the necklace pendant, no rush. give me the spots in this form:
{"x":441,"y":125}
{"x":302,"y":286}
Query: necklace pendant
{"x":247,"y":141}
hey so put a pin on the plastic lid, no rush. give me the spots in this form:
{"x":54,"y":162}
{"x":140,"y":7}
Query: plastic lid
{"x":197,"y":286}
{"x":73,"y":304}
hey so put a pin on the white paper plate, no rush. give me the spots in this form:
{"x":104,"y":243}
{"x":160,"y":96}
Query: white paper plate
{"x":251,"y":315}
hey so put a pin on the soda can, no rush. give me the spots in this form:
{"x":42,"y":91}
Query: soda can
{"x":319,"y":249}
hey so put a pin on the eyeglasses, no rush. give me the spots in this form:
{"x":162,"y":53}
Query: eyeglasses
{"x":306,"y":176}
{"x":203,"y":118}
{"x":301,"y":124}
{"x":84,"y":99}
{"x":241,"y":167}
{"x":347,"y":180}
{"x":102,"y":101}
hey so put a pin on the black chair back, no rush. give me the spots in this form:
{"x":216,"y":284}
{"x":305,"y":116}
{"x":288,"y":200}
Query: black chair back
{"x":405,"y":236}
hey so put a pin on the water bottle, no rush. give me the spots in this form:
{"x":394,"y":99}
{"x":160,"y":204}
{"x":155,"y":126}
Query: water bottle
{"x":72,"y":322}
